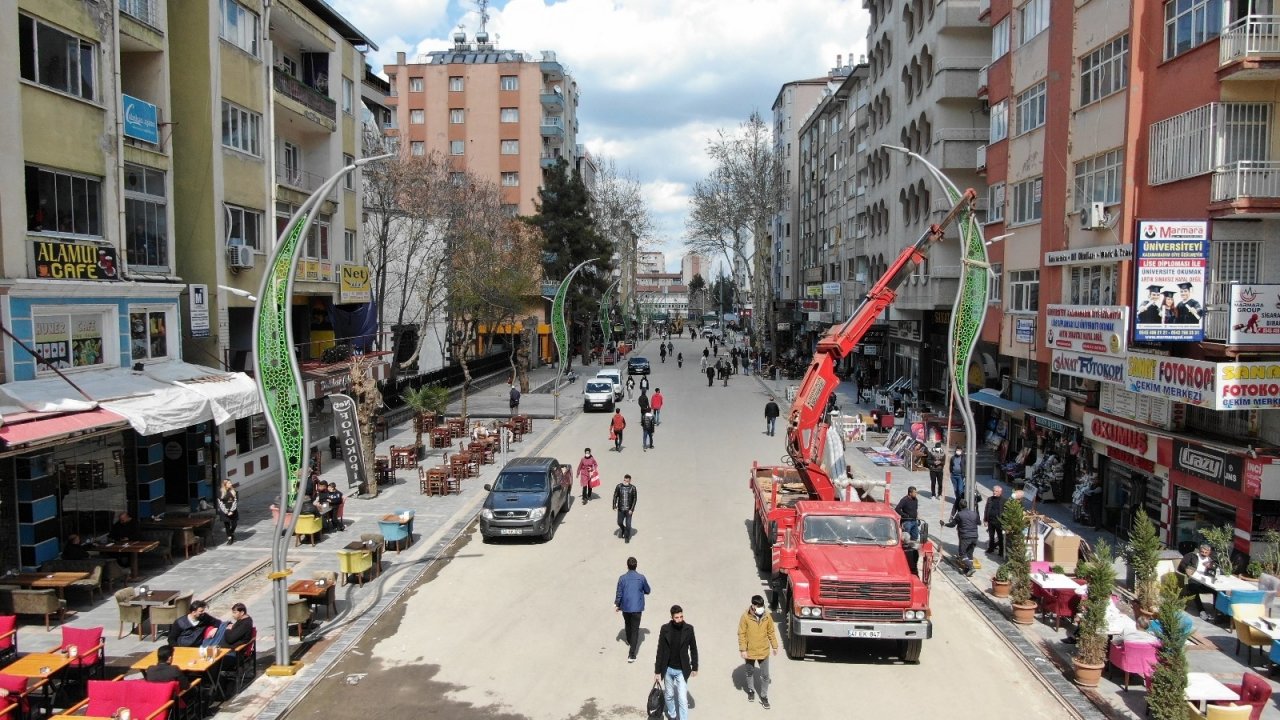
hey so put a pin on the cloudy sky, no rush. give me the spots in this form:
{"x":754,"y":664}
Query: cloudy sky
{"x":657,"y":77}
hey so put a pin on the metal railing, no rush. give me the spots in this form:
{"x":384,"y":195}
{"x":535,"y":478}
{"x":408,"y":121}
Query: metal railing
{"x":1216,"y":325}
{"x":310,"y":97}
{"x":962,"y":134}
{"x":982,"y":76}
{"x":1246,"y":179}
{"x":141,"y":10}
{"x":301,"y":180}
{"x":982,"y":158}
{"x":1250,"y":36}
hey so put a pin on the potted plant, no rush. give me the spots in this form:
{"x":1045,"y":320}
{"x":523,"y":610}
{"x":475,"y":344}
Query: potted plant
{"x":1271,"y":552}
{"x":1058,"y":569}
{"x":1252,"y":571}
{"x":1167,"y":699}
{"x":1220,"y":539}
{"x":1000,"y":584}
{"x":1143,"y":555}
{"x":1091,"y":643}
{"x":1014,"y":521}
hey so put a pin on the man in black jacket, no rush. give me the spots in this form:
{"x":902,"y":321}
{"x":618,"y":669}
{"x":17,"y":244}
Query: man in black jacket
{"x":965,"y":521}
{"x":677,"y":661}
{"x":189,"y":630}
{"x":164,"y":670}
{"x":908,"y":508}
{"x":771,"y":413}
{"x":936,"y":459}
{"x":991,"y":515}
{"x":1197,"y":562}
{"x":625,"y":497}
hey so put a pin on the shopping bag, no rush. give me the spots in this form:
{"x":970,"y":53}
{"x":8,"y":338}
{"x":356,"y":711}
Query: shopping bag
{"x":613,"y":435}
{"x":594,"y":480}
{"x":656,"y":704}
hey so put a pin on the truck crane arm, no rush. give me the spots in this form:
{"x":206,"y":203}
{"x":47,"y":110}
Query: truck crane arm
{"x":807,"y":422}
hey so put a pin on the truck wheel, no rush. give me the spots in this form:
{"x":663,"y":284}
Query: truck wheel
{"x":764,"y":558}
{"x":797,"y":644}
{"x":909,"y":650}
{"x":551,"y":529}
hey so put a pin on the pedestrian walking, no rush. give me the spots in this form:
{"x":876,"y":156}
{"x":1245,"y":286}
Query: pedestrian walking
{"x":628,"y":599}
{"x":588,"y":474}
{"x":711,"y":374}
{"x":935,"y":461}
{"x":679,"y":360}
{"x":513,"y":398}
{"x":662,"y":353}
{"x":647,"y":426}
{"x":625,"y":497}
{"x":706,"y":353}
{"x":724,"y":371}
{"x":670,"y":348}
{"x":616,"y":426}
{"x":757,"y":640}
{"x":957,"y":473}
{"x":965,"y":521}
{"x":771,"y":413}
{"x":644,"y":383}
{"x":631,"y":385}
{"x":676,"y":663}
{"x":908,"y":508}
{"x":656,"y":403}
{"x":643,"y":402}
{"x":229,"y":509}
{"x":991,"y":516}
{"x":746,"y":364}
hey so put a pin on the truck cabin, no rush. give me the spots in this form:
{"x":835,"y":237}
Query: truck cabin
{"x":849,"y":530}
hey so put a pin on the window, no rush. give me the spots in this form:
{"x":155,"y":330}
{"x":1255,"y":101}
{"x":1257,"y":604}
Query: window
{"x":1030,"y":111}
{"x":457,"y":178}
{"x":1210,"y":136}
{"x":56,"y":60}
{"x":146,"y":222}
{"x":292,"y":157}
{"x":1033,"y":19}
{"x":349,"y":180}
{"x":1104,"y":71}
{"x":1024,"y":290}
{"x":349,"y":245}
{"x":510,"y":115}
{"x":251,"y":433}
{"x":995,"y":203}
{"x":239,"y":26}
{"x":511,"y":179}
{"x":286,"y":64}
{"x":1093,"y":285}
{"x":415,"y":84}
{"x":244,"y":225}
{"x":348,"y":95}
{"x":391,"y":80}
{"x":457,"y":116}
{"x":417,"y":117}
{"x":1000,"y":39}
{"x":455,"y":84}
{"x":1000,"y":121}
{"x":457,"y":147}
{"x":70,"y":340}
{"x":510,"y":147}
{"x":994,"y":285}
{"x":509,"y":82}
{"x":317,"y":246}
{"x":1026,"y":201}
{"x":241,"y":129}
{"x":1189,"y":24}
{"x":1232,"y":261}
{"x":417,"y":148}
{"x":59,"y":202}
{"x":1098,"y":178}
{"x":148,"y":334}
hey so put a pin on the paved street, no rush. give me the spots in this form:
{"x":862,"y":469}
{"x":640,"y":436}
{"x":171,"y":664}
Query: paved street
{"x":525,"y":629}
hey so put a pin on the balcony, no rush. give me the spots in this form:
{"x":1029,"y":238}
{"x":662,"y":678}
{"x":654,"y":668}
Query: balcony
{"x":552,"y":101}
{"x":548,"y":160}
{"x":1246,"y":187}
{"x":984,"y":9}
{"x":1249,"y":49}
{"x":552,"y":126}
{"x":307,"y":101}
{"x":962,"y":14}
{"x":550,"y":66}
{"x":957,"y":148}
{"x":302,"y":181}
{"x":982,"y":80}
{"x":144,"y":11}
{"x":936,"y":294}
{"x":980,"y":164}
{"x":1216,"y":325}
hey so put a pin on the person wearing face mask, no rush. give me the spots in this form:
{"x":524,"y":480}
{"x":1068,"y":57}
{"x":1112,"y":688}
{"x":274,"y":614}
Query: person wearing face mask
{"x":588,"y":474}
{"x":757,"y":640}
{"x":676,"y":663}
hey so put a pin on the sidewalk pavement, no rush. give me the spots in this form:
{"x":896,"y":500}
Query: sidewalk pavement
{"x":227,"y":573}
{"x":1213,"y":646}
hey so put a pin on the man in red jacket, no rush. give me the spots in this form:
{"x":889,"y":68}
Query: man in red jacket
{"x":656,"y":404}
{"x":616,"y":426}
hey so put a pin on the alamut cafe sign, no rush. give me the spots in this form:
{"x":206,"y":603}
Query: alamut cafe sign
{"x":56,"y":260}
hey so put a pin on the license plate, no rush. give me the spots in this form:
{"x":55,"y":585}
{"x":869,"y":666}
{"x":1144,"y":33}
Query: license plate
{"x":518,"y":531}
{"x":864,"y":633}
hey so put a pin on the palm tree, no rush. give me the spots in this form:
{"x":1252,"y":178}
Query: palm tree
{"x":428,"y":398}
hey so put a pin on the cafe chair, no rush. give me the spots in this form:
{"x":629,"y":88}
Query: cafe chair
{"x":146,"y":700}
{"x":1060,"y":604}
{"x":1245,"y":633}
{"x":93,"y":583}
{"x":299,"y":614}
{"x":164,"y":550}
{"x":394,"y":532}
{"x":375,"y":543}
{"x":1229,"y":712}
{"x":39,"y":602}
{"x":244,"y":664}
{"x":135,"y":615}
{"x":1254,"y":692}
{"x":309,"y":526}
{"x":20,"y":689}
{"x":330,"y":579}
{"x":91,"y":655}
{"x":1222,"y":601}
{"x":169,"y":614}
{"x":354,"y":562}
{"x":1137,"y":658}
{"x":8,"y":638}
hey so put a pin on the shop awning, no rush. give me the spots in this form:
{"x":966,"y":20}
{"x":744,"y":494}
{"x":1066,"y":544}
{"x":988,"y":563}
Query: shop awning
{"x":990,"y":398}
{"x":37,"y":428}
{"x":231,"y":395}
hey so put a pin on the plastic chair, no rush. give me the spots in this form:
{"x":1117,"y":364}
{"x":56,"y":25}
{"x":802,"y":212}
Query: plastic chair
{"x":1254,"y":691}
{"x":309,"y":526}
{"x":1134,"y":658}
{"x":1246,"y":633}
{"x":169,"y":614}
{"x":1229,"y":712}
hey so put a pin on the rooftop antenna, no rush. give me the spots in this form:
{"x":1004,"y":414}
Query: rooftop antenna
{"x":482,"y":36}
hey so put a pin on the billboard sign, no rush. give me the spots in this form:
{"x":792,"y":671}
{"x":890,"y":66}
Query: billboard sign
{"x":1089,"y":367}
{"x":1172,"y":260}
{"x":1177,"y":379}
{"x":1255,"y":315}
{"x":1097,"y":329}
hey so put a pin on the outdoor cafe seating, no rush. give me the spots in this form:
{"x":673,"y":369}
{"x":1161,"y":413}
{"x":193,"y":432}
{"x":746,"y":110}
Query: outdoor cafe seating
{"x":145,"y":700}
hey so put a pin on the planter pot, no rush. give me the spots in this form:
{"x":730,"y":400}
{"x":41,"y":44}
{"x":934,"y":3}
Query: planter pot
{"x":1024,"y":614}
{"x":1087,"y":675}
{"x":1000,"y":588}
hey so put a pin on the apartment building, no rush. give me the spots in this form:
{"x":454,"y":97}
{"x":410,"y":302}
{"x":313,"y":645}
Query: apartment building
{"x":503,"y":115}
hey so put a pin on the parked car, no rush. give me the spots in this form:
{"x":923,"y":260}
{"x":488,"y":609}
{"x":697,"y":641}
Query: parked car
{"x":614,"y":376}
{"x":526,"y":499}
{"x":597,"y":393}
{"x":711,"y":332}
{"x":638,"y":366}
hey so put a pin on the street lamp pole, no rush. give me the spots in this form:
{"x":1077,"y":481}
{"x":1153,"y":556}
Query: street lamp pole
{"x":280,"y":388}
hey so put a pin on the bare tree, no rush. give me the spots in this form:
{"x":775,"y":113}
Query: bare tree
{"x":622,"y":217}
{"x":368,"y":402}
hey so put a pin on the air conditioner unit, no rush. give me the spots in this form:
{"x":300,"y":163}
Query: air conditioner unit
{"x":240,"y":256}
{"x":1093,"y":216}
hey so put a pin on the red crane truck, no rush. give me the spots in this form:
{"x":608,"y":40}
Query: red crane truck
{"x":845,"y":569}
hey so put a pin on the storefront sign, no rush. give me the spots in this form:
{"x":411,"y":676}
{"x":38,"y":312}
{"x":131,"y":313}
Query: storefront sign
{"x":1206,"y":463}
{"x":810,"y":304}
{"x":784,"y":326}
{"x":1253,"y":471}
{"x":141,"y":120}
{"x":199,"y":304}
{"x":1089,"y":256}
{"x":819,"y":317}
{"x":69,"y":340}
{"x":1248,"y":386}
{"x":874,"y":336}
{"x":347,"y":428}
{"x":831,"y":289}
{"x":1115,"y":400}
{"x":1255,"y":315}
{"x":1185,"y":381}
{"x":1099,"y":329}
{"x":1089,"y":367}
{"x":1121,"y":435}
{"x":354,"y":284}
{"x":57,"y":260}
{"x":1172,"y":258}
{"x":1133,"y":461}
{"x":316,"y":270}
{"x":1024,"y":330}
{"x":813,"y":291}
{"x":1057,"y":404}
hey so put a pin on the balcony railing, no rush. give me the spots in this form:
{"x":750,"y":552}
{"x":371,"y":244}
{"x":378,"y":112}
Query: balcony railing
{"x":981,"y":163}
{"x":1247,"y":179}
{"x":143,"y":11}
{"x":310,"y":97}
{"x":1256,"y":36}
{"x":982,"y":77}
{"x":1216,"y":325}
{"x":301,"y":180}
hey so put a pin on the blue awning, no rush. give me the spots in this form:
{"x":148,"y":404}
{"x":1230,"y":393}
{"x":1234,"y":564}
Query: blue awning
{"x":989,"y":397}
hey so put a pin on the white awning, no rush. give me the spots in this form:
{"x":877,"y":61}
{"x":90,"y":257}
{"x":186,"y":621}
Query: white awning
{"x":232,"y":395}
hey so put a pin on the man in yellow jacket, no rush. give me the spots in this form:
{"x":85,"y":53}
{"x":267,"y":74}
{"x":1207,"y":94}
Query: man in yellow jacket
{"x":757,"y":639}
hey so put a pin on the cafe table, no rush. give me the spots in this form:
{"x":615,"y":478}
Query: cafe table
{"x":1224,"y":583}
{"x":1270,"y":628}
{"x":1203,"y":688}
{"x":188,"y":660}
{"x":133,"y":547}
{"x":41,"y":665}
{"x":153,"y":598}
{"x":312,"y":590}
{"x":1057,"y":581}
{"x":56,"y":580}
